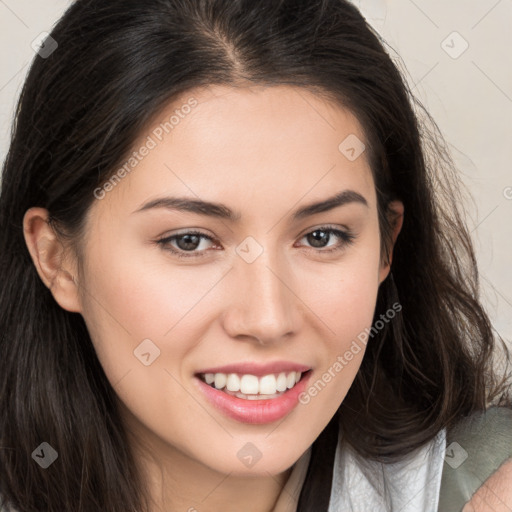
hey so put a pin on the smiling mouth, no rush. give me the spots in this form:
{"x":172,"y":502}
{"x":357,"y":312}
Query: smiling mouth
{"x":251,"y":387}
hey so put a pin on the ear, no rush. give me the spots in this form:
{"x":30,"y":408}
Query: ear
{"x":396,"y":217}
{"x":50,"y":259}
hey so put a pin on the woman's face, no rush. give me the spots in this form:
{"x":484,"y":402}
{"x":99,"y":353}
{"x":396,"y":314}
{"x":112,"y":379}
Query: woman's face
{"x":264,"y":286}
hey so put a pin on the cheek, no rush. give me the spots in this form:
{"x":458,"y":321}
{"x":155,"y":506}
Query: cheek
{"x":137,"y":295}
{"x":348,"y":316}
{"x":344,"y":294}
{"x":344,"y":297}
{"x":138,"y":323}
{"x":347,"y":300}
{"x":132,"y":299}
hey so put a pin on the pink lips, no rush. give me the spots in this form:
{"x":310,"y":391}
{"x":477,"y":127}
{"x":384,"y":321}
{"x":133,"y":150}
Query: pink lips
{"x":254,"y":411}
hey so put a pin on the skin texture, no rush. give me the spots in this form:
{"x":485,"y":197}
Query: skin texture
{"x":495,"y":495}
{"x":264,"y":153}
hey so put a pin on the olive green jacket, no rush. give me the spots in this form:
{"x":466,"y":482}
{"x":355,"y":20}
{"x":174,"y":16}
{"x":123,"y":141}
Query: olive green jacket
{"x":475,"y":449}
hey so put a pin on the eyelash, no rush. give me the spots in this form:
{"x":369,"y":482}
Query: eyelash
{"x":347,"y":238}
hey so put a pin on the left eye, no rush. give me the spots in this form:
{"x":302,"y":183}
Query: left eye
{"x":320,"y":235}
{"x":188,"y":242}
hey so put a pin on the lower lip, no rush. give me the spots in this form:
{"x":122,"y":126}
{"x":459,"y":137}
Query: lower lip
{"x":255,"y":411}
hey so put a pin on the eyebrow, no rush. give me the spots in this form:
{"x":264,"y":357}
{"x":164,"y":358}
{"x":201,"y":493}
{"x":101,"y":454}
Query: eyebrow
{"x":221,"y":211}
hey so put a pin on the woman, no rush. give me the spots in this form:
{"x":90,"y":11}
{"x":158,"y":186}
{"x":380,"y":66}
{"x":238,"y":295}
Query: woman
{"x":235,"y":272}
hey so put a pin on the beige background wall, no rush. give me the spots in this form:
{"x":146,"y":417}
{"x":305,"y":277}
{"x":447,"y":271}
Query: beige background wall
{"x":458,"y":59}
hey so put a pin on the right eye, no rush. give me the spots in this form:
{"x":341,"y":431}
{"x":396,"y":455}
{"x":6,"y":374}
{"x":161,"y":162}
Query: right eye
{"x":186,"y":244}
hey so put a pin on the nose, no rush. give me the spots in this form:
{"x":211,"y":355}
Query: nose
{"x":263,"y":306}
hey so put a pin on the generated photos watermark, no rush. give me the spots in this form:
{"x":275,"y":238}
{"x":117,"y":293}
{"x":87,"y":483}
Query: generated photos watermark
{"x":344,"y":359}
{"x":151,"y":142}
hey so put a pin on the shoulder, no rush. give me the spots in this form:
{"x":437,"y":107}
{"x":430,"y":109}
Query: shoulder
{"x":475,"y":448}
{"x":495,"y":495}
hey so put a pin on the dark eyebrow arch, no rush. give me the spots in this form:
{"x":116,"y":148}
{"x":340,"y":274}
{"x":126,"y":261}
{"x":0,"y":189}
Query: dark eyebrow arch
{"x":221,"y":211}
{"x":340,"y":199}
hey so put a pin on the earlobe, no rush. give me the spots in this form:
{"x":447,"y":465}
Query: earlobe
{"x":49,"y":257}
{"x":396,"y":209}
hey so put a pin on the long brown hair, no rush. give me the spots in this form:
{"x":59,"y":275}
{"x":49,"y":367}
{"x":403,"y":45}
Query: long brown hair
{"x":80,"y":111}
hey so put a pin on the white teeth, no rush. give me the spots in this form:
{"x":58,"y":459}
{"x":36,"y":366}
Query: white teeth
{"x":252,"y":397}
{"x":233,"y":382}
{"x":267,"y":385}
{"x":270,"y":385}
{"x":249,"y":385}
{"x":220,"y":380}
{"x":281,"y":382}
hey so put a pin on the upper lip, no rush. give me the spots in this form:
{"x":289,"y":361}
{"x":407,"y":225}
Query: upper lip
{"x":258,"y":369}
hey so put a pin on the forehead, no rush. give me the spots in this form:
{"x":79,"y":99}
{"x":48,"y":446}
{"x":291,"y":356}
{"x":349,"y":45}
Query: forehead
{"x":259,"y":145}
